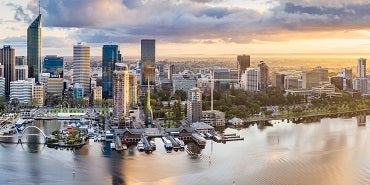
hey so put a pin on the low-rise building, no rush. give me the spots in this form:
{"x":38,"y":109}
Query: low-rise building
{"x":21,"y":90}
{"x":97,"y":94}
{"x":38,"y":94}
{"x":202,"y":127}
{"x":214,"y":118}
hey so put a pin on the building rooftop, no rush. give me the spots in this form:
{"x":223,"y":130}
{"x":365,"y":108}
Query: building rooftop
{"x":201,"y":126}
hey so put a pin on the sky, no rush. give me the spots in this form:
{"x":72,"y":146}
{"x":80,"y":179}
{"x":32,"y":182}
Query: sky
{"x":192,"y":27}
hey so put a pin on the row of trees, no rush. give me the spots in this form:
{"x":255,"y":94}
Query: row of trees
{"x":240,"y":103}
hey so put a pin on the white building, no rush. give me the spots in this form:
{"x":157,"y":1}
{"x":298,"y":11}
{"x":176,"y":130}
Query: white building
{"x":360,"y":84}
{"x":249,"y":79}
{"x":81,"y":66}
{"x":2,"y":86}
{"x":184,"y":81}
{"x":326,"y":89}
{"x":21,"y":90}
{"x":361,"y":68}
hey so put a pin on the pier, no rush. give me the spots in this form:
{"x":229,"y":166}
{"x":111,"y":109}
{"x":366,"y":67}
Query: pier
{"x":175,"y":144}
{"x":147,"y":146}
{"x":198,"y":139}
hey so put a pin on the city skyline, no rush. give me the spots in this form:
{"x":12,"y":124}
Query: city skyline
{"x":191,"y":27}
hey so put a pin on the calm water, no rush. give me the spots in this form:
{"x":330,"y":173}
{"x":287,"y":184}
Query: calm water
{"x":333,"y":151}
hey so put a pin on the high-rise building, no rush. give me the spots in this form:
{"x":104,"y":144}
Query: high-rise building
{"x":244,"y":61}
{"x":222,"y":77}
{"x":361,"y":68}
{"x":148,"y":61}
{"x":20,"y":60}
{"x":111,"y":55}
{"x":34,"y":45}
{"x":133,"y":89}
{"x":194,"y":105}
{"x":21,"y":68}
{"x":263,"y":76}
{"x":279,"y":80}
{"x":250,"y":79}
{"x":314,"y":77}
{"x":21,"y":72}
{"x":7,"y":58}
{"x":361,"y":85}
{"x":171,"y":71}
{"x":337,"y":81}
{"x":346,"y":73}
{"x":121,"y":90}
{"x":81,"y":66}
{"x":53,"y":65}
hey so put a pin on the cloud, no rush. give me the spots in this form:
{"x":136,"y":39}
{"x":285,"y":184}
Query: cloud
{"x":20,"y":14}
{"x":57,"y":42}
{"x":132,"y":4}
{"x":20,"y":41}
{"x":200,"y":20}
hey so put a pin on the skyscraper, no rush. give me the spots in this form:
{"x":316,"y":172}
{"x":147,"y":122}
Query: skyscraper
{"x":20,"y":60}
{"x":148,"y":61}
{"x":361,"y":68}
{"x":171,"y":71}
{"x":34,"y":42}
{"x":194,"y":105}
{"x":121,"y":90}
{"x":250,"y":80}
{"x":81,"y":66}
{"x":263,"y":75}
{"x":111,"y":55}
{"x":7,"y":58}
{"x":133,"y":89}
{"x":244,"y":61}
{"x":21,"y":68}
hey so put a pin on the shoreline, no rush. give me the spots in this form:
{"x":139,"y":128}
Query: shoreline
{"x":313,"y":117}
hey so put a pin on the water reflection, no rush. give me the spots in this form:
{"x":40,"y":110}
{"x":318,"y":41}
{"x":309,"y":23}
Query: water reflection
{"x":361,"y":120}
{"x":330,"y":152}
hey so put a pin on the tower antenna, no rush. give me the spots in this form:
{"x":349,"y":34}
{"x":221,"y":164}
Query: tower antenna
{"x":39,"y":8}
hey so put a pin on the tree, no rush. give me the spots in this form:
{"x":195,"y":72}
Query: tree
{"x":15,"y":103}
{"x":180,"y":94}
{"x":164,"y":95}
{"x":176,"y":109}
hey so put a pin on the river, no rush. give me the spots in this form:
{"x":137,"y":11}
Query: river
{"x":329,"y":152}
